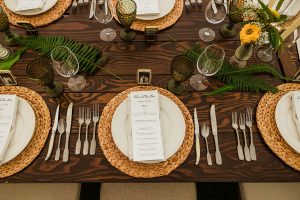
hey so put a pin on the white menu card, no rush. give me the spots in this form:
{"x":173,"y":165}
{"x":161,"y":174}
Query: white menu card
{"x":8,"y":110}
{"x":147,"y":7}
{"x":146,"y":131}
{"x":23,"y":5}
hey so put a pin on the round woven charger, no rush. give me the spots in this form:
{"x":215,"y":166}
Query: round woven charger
{"x":41,"y":19}
{"x":40,"y":135}
{"x":135,"y":169}
{"x":265,"y":117}
{"x":161,"y":23}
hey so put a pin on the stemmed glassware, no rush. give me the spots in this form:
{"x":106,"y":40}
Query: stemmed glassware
{"x":126,"y":12}
{"x":103,"y":15}
{"x":215,"y":13}
{"x":181,"y":69}
{"x":209,"y":63}
{"x":66,"y":64}
{"x":41,"y":70}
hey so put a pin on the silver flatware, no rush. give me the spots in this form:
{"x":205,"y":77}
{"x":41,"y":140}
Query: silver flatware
{"x":85,"y":2}
{"x":193,"y":2}
{"x":225,"y":5}
{"x":61,"y":130}
{"x":235,"y":126}
{"x":249,"y":116}
{"x":100,"y":2}
{"x":74,"y":4}
{"x":92,"y":9}
{"x":243,"y":128}
{"x":213,"y":6}
{"x":96,"y":109}
{"x":68,"y":131}
{"x":199,"y":2}
{"x":80,"y":2}
{"x":187,"y":4}
{"x":80,"y":121}
{"x":214,"y":128}
{"x":87,"y":122}
{"x":54,"y":129}
{"x":197,"y":137}
{"x":205,"y":133}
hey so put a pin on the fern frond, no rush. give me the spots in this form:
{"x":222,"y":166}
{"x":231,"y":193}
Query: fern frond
{"x":221,"y":90}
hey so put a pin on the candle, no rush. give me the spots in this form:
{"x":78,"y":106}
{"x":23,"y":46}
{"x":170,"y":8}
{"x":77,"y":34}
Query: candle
{"x":3,"y":52}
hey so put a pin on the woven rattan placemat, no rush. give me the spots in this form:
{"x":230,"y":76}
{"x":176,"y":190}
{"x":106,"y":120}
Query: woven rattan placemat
{"x":161,"y":23}
{"x":265,"y":117}
{"x":43,"y":121}
{"x":135,"y":169}
{"x":41,"y":19}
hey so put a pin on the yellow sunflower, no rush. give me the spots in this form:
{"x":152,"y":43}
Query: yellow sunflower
{"x":250,"y":33}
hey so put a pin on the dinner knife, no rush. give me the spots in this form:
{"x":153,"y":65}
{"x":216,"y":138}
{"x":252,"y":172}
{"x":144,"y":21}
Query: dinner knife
{"x":213,"y":121}
{"x":92,"y":9}
{"x":196,"y":125}
{"x":54,"y":128}
{"x":68,"y":130}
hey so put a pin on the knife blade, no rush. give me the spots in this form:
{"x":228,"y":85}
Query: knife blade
{"x":68,"y":130}
{"x":92,"y":9}
{"x":213,"y":121}
{"x":54,"y":129}
{"x":196,"y":124}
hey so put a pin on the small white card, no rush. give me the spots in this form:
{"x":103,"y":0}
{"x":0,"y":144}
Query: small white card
{"x":147,"y":7}
{"x":146,"y":131}
{"x":23,"y":5}
{"x":8,"y":110}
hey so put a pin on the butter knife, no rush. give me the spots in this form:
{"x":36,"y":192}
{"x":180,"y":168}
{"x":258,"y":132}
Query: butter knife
{"x":213,"y":121}
{"x":54,"y":128}
{"x":68,"y":130}
{"x":92,"y":9}
{"x":196,"y":125}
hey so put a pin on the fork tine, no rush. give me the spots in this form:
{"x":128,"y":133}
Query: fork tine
{"x":98,"y":111}
{"x":236,"y":117}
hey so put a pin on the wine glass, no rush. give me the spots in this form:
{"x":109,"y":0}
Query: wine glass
{"x":66,"y":64}
{"x":181,"y":69}
{"x":126,"y":12}
{"x":41,"y":70}
{"x":215,"y":13}
{"x":209,"y":63}
{"x":103,"y":15}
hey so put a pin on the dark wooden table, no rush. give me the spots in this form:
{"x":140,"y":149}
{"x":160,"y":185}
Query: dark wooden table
{"x":125,"y":59}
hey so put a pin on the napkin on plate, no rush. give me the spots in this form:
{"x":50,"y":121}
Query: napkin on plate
{"x":298,"y":47}
{"x":296,"y":109}
{"x":147,"y":7}
{"x":8,"y":112}
{"x":23,"y":5}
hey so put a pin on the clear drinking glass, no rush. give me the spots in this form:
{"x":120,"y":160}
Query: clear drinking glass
{"x":215,"y":13}
{"x":208,"y":64}
{"x":103,"y":15}
{"x":65,"y":62}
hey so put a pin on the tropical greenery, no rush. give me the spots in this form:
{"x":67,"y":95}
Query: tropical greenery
{"x":8,"y":62}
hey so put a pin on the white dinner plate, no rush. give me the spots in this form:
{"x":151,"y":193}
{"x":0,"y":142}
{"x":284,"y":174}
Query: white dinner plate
{"x":12,"y":4}
{"x":25,"y":126}
{"x":165,"y":7}
{"x":172,"y":127}
{"x":285,"y":122}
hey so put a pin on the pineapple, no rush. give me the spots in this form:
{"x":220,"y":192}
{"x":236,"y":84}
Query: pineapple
{"x":236,"y":11}
{"x":4,"y":23}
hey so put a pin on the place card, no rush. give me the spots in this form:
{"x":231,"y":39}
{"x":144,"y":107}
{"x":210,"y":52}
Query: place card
{"x":23,"y":5}
{"x":147,"y":7}
{"x":8,"y":110}
{"x":146,"y":131}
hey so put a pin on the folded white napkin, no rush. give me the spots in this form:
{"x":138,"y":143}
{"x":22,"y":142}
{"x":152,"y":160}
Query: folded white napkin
{"x":298,"y":47}
{"x":8,"y":112}
{"x":23,"y":5}
{"x":147,"y":7}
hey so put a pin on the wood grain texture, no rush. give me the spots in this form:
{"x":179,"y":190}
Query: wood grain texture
{"x":126,"y":58}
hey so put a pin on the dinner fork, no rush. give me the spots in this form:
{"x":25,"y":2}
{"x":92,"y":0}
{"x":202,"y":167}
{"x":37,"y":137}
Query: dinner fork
{"x":61,"y":130}
{"x":235,"y":126}
{"x":87,"y":122}
{"x":249,"y":124}
{"x":243,"y":128}
{"x":80,"y":121}
{"x":95,"y":120}
{"x":205,"y":133}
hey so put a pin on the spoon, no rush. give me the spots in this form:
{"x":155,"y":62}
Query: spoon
{"x":205,"y":133}
{"x":61,"y":130}
{"x":187,"y":4}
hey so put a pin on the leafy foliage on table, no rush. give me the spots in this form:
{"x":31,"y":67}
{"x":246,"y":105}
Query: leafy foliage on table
{"x":8,"y":62}
{"x":89,"y":58}
{"x":239,"y":79}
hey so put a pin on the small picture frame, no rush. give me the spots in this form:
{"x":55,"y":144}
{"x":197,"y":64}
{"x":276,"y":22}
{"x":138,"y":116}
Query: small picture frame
{"x":7,"y":78}
{"x":144,"y":76}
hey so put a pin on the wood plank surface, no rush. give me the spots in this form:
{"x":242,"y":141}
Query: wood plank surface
{"x":125,"y":59}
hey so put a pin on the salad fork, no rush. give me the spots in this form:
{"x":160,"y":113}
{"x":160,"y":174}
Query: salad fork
{"x":87,"y":122}
{"x":205,"y":133}
{"x":235,"y":126}
{"x":243,"y":128}
{"x":249,"y":125}
{"x":61,"y":130}
{"x":80,"y":121}
{"x":95,"y":120}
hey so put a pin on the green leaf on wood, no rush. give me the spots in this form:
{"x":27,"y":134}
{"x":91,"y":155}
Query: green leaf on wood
{"x":8,"y":62}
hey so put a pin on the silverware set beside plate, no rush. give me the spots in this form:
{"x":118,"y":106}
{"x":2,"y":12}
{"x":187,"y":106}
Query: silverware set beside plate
{"x":192,"y":3}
